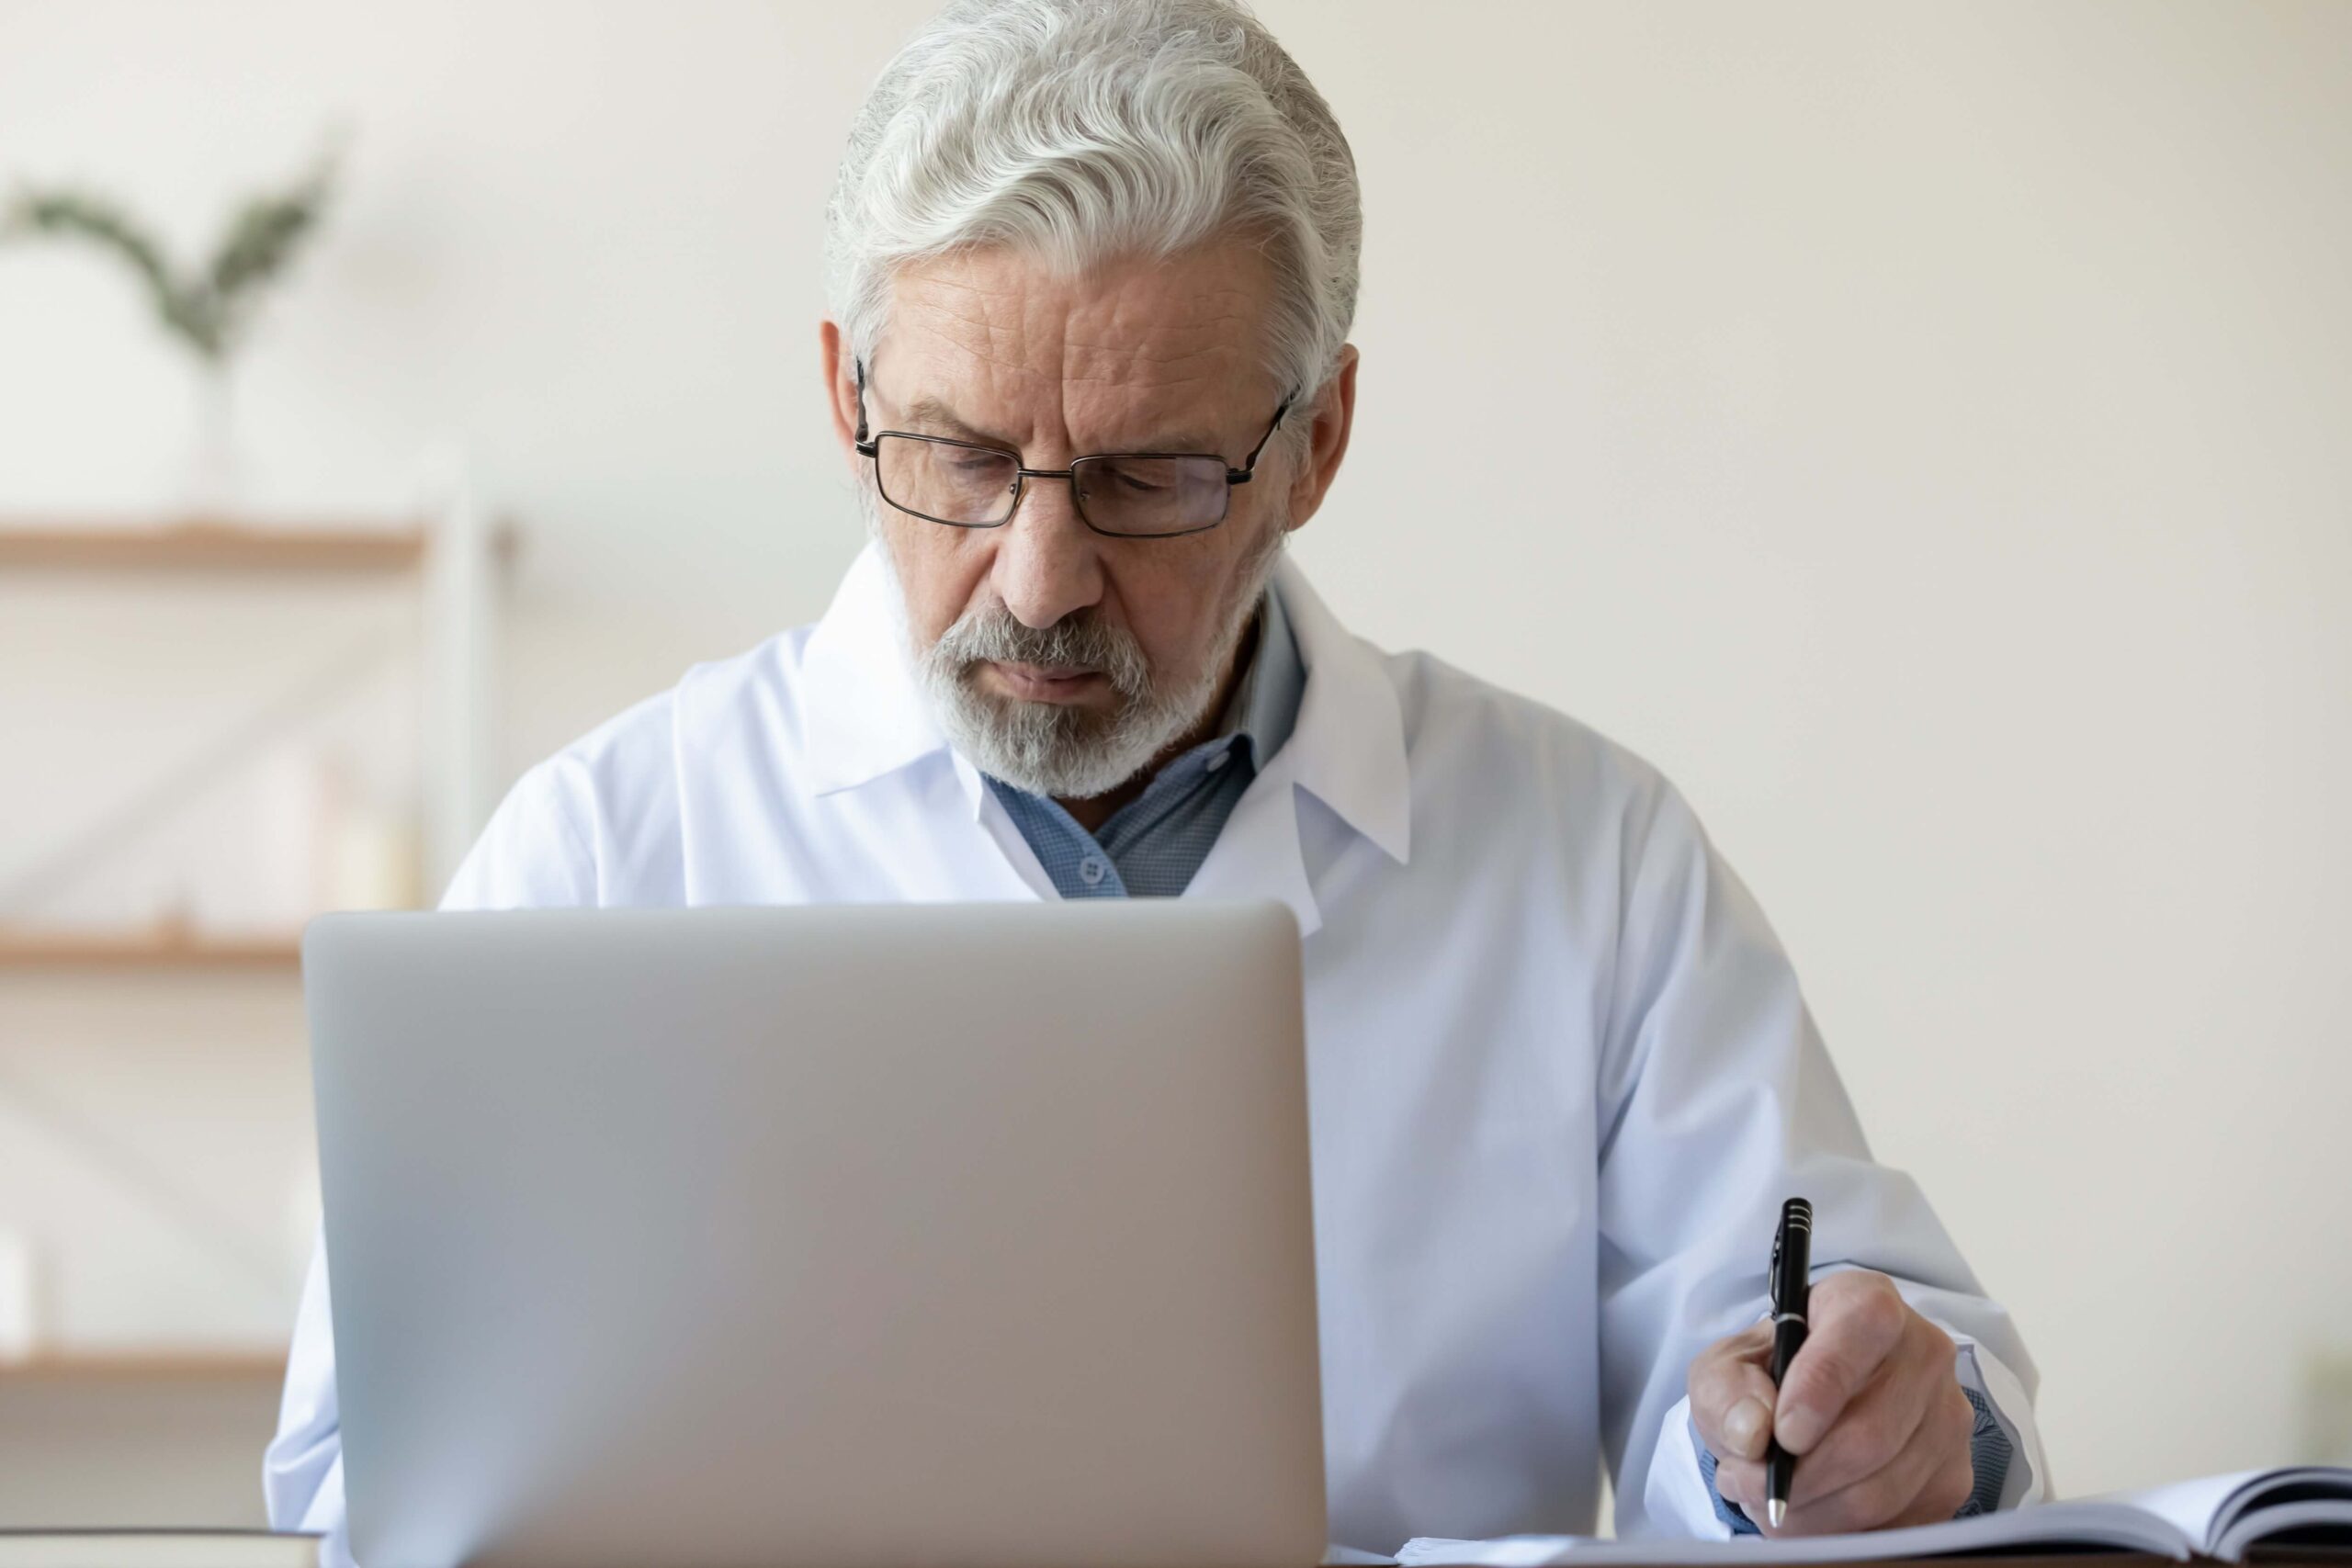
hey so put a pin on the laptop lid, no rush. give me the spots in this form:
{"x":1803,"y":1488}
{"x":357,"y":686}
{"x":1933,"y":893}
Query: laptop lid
{"x":961,"y":1235}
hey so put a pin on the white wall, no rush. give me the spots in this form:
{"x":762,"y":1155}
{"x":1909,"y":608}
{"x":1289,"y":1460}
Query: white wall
{"x":1933,"y":430}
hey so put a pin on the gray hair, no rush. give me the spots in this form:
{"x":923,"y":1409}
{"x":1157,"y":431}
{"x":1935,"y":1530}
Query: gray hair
{"x":1077,"y":130}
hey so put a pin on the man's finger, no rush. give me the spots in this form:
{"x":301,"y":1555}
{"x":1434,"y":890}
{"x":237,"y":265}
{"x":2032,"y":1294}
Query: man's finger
{"x":1731,"y":1397}
{"x":1874,"y":1425}
{"x":1741,"y":1481}
{"x":1857,"y":1320}
{"x":1924,"y":1484}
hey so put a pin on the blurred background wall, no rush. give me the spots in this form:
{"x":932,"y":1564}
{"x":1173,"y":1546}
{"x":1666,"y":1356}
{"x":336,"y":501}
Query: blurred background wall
{"x":1921,"y":430}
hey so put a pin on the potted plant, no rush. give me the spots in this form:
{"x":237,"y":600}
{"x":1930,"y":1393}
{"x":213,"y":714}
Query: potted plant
{"x":208,"y":310}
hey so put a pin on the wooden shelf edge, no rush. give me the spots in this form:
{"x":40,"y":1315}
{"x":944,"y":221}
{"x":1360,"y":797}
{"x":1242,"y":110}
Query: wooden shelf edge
{"x":201,"y":542}
{"x":207,"y":544}
{"x":158,"y":1364}
{"x":160,"y":948}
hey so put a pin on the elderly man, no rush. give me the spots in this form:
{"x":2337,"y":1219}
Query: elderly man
{"x":1094,"y":265}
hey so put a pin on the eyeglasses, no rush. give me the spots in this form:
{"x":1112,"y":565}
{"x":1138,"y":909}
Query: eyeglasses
{"x":1127,"y":495}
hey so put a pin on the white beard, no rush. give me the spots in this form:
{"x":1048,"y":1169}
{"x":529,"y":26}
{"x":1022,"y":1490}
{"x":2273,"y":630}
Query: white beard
{"x":1053,"y":749}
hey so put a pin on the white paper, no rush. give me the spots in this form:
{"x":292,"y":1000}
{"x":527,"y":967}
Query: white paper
{"x":2069,"y":1524}
{"x":2218,"y":1515}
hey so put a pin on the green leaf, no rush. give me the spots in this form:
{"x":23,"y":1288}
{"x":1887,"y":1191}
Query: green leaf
{"x":210,"y":312}
{"x":94,"y":220}
{"x":262,"y":241}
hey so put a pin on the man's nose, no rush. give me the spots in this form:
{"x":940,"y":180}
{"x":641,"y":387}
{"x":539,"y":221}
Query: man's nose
{"x":1048,"y":563}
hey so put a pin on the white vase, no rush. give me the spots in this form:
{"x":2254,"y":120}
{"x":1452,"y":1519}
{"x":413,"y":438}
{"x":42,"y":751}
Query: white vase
{"x":214,"y":479}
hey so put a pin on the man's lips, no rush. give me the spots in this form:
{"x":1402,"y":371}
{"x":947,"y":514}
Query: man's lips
{"x":1046,"y":683}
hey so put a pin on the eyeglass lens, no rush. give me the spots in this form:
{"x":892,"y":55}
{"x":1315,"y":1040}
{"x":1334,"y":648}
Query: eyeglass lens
{"x":975,"y":487}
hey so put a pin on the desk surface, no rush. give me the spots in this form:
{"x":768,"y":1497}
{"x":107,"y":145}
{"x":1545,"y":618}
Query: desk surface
{"x":2269,"y":1557}
{"x":139,"y":1548}
{"x":232,"y":1549}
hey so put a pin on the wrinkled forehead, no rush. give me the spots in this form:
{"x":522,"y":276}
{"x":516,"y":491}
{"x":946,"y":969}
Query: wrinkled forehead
{"x":1117,"y":355}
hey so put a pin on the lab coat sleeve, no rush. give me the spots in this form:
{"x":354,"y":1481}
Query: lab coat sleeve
{"x":1717,"y":1101}
{"x":533,"y":853}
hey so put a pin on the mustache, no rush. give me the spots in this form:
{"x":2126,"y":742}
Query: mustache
{"x":1080,"y":640}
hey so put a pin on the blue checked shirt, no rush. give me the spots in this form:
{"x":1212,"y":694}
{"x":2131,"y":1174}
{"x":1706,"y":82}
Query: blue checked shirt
{"x":1151,"y":846}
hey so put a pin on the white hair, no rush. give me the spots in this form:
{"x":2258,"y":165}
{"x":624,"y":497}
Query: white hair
{"x":1078,"y":130}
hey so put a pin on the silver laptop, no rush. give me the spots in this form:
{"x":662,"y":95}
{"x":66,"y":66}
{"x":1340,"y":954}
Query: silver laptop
{"x":955,"y":1234}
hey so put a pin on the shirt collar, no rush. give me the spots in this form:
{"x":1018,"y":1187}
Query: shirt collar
{"x":1332,"y":711}
{"x":1263,"y":708}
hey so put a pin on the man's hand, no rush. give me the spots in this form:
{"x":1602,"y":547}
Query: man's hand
{"x":1871,"y":1408}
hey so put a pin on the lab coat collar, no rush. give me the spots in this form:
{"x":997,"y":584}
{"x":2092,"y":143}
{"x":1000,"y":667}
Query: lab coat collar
{"x":1348,"y":750}
{"x":867,"y":715}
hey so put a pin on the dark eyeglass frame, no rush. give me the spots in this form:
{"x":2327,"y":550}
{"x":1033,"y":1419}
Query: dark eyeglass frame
{"x":870,"y":445}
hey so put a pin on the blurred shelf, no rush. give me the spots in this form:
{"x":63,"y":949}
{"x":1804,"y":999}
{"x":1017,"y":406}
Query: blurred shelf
{"x":209,"y":544}
{"x":159,"y":1365}
{"x":154,"y":947}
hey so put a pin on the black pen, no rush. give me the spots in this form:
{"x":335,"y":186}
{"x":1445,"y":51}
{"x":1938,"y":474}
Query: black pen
{"x":1792,"y":1289}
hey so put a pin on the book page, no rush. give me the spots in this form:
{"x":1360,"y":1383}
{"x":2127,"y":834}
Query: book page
{"x":2189,"y":1506}
{"x":2088,"y":1523}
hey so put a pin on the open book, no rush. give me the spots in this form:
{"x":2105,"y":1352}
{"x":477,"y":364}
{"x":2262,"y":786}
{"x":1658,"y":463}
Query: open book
{"x":2221,"y":1516}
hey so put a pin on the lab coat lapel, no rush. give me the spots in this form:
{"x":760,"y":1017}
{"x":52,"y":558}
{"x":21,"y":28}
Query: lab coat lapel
{"x":867,"y":715}
{"x":1347,"y":750}
{"x":1257,"y":854}
{"x":880,"y":759}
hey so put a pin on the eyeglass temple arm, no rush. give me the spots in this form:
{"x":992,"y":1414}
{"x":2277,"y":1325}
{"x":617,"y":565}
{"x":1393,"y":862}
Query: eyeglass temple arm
{"x":1240,"y":476}
{"x":863,"y":442}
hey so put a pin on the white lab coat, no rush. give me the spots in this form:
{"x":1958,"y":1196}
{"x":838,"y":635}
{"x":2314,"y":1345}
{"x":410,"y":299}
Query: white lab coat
{"x":1560,"y":1072}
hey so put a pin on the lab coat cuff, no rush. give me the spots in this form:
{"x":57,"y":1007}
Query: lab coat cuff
{"x":1676,"y":1495}
{"x":1980,"y":1370}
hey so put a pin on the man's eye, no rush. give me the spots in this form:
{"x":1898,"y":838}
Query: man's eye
{"x":1138,"y":487}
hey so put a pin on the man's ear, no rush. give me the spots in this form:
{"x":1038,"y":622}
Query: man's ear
{"x":1333,"y":415}
{"x":841,"y":386}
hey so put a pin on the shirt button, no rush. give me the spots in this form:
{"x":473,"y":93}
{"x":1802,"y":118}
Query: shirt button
{"x":1219,"y":759}
{"x":1092,"y":870}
